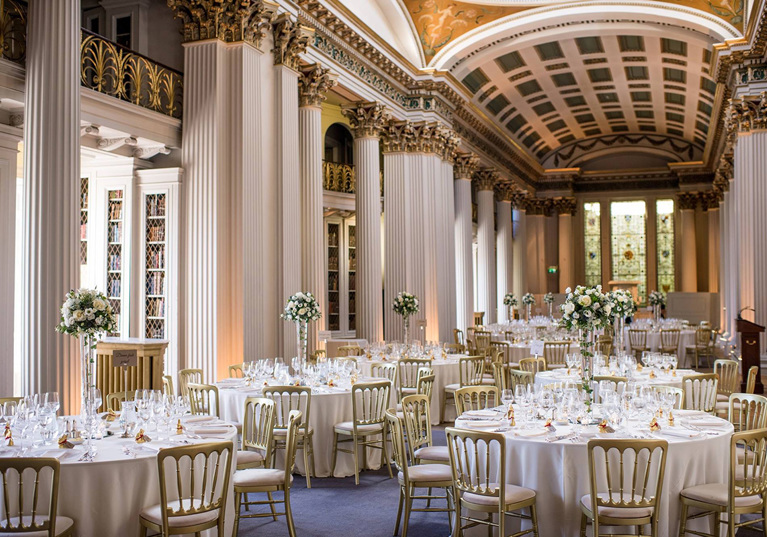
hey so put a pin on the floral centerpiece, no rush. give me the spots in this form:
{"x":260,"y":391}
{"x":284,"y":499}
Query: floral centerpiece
{"x":529,"y":301}
{"x":510,"y":301}
{"x":405,"y":304}
{"x":548,"y":298}
{"x":300,"y":309}
{"x":586,"y":309}
{"x":86,"y":314}
{"x":657,"y":301}
{"x":622,"y":305}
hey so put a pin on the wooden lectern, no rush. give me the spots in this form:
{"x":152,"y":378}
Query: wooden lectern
{"x":749,"y":346}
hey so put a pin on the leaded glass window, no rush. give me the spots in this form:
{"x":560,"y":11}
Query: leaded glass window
{"x":628,"y":236}
{"x":593,"y":243}
{"x":665,"y":234}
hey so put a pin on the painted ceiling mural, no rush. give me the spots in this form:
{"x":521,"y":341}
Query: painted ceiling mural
{"x":438,"y":22}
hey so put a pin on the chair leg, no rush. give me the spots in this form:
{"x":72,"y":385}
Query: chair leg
{"x":399,"y":509}
{"x":683,"y":521}
{"x":271,"y":506}
{"x":335,"y":454}
{"x":583,"y":524}
{"x":289,"y":514}
{"x":311,"y":455}
{"x":142,"y":530}
{"x":713,"y":523}
{"x":237,"y":503}
{"x":501,"y":523}
{"x":442,"y":407}
{"x":534,"y":517}
{"x":385,"y":453}
{"x":408,"y":507}
{"x":356,"y":460}
{"x":306,"y":464}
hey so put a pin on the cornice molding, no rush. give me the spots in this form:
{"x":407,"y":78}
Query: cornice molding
{"x":367,"y":119}
{"x":313,"y":84}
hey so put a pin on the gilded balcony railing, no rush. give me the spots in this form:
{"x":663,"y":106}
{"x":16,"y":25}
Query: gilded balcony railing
{"x":112,"y":69}
{"x":13,"y":23}
{"x":338,"y":177}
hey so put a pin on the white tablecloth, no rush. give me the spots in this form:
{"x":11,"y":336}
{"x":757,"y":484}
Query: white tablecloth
{"x":329,"y":406}
{"x":686,"y":338}
{"x":641,"y":378}
{"x":105,"y":497}
{"x":559,"y":473}
{"x":332,"y":345}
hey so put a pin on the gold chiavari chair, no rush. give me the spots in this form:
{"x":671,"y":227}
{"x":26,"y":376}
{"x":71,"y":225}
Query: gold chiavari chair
{"x":203,"y":399}
{"x":493,"y":354}
{"x":4,"y":400}
{"x":727,"y":370}
{"x":257,"y":434}
{"x":700,"y":392}
{"x":190,"y":505}
{"x":412,"y":477}
{"x":482,"y":339}
{"x":349,"y":350}
{"x":369,"y":401}
{"x":745,"y":491}
{"x":630,"y":500}
{"x":479,"y":318}
{"x":458,"y":337}
{"x":407,"y":375}
{"x":502,"y":375}
{"x":604,"y":345}
{"x":521,"y":377}
{"x":476,"y":398}
{"x":235,"y":371}
{"x":286,"y":400}
{"x":609,"y":331}
{"x":532,"y":365}
{"x":426,"y":385}
{"x":384,"y":370}
{"x":554,"y":352}
{"x":669,"y":340}
{"x":753,"y":371}
{"x":316,"y":355}
{"x":471,"y":370}
{"x":417,"y":416}
{"x":454,"y":348}
{"x":601,"y":380}
{"x":167,"y":386}
{"x":476,"y":486}
{"x":704,"y":345}
{"x":115,"y":400}
{"x":268,"y":480}
{"x":638,"y":342}
{"x":747,"y":411}
{"x":40,"y":476}
{"x":187,"y":376}
{"x":677,"y":392}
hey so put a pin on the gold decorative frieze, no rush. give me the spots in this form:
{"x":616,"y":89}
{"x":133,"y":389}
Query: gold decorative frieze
{"x":688,"y":201}
{"x":368,"y":119}
{"x":338,"y":177}
{"x":565,"y":205}
{"x":464,"y":166}
{"x":290,"y":41}
{"x":397,"y":137}
{"x":749,"y":113}
{"x":485,"y":179}
{"x":313,"y":84}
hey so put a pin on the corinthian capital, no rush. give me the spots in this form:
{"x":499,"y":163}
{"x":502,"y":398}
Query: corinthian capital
{"x":465,"y":165}
{"x":227,"y":20}
{"x":258,"y":21}
{"x":368,"y":119}
{"x":687,"y":200}
{"x":748,"y":113}
{"x":290,"y":40}
{"x":397,"y":137}
{"x":426,"y":137}
{"x":313,"y":84}
{"x":565,"y":205}
{"x":504,"y":191}
{"x":448,"y":142}
{"x":486,"y":178}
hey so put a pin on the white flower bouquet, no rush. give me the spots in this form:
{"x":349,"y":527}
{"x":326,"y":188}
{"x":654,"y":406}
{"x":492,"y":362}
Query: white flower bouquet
{"x":302,"y":308}
{"x":528,"y":299}
{"x":622,"y":303}
{"x":656,"y":298}
{"x":509,"y":300}
{"x":585,"y":308}
{"x":405,"y":304}
{"x":86,"y":312}
{"x":548,"y":298}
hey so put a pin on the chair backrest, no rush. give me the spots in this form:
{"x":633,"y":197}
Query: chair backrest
{"x":235,"y":371}
{"x":258,"y":426}
{"x":604,"y":345}
{"x":4,"y":400}
{"x":458,"y":338}
{"x":728,"y":376}
{"x":291,"y":444}
{"x":383,"y":370}
{"x":407,"y":371}
{"x":415,"y":412}
{"x":518,"y":376}
{"x":753,"y":371}
{"x":29,"y":485}
{"x":479,"y":318}
{"x":555,"y":351}
{"x":286,"y":400}
{"x":475,"y":398}
{"x":482,"y":340}
{"x":180,"y":468}
{"x":677,"y":392}
{"x":637,"y":338}
{"x":425,"y":385}
{"x":203,"y":399}
{"x":703,"y":337}
{"x":466,"y":449}
{"x":747,"y":411}
{"x":748,"y":475}
{"x":669,"y":338}
{"x":187,"y":376}
{"x":114,"y":400}
{"x":533,"y":365}
{"x":632,"y":470}
{"x":598,"y":379}
{"x":471,"y":369}
{"x":167,"y":386}
{"x":398,"y":443}
{"x":700,"y":391}
{"x":349,"y":350}
{"x":454,"y":348}
{"x":319,"y":353}
{"x":369,"y":402}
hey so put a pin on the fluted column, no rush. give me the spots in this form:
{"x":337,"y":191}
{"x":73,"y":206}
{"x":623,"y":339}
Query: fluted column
{"x":504,"y":248}
{"x":51,"y":177}
{"x":710,"y":203}
{"x":465,"y":166}
{"x":724,"y":291}
{"x":367,"y":121}
{"x":519,"y":204}
{"x":9,"y":152}
{"x":485,"y":180}
{"x":446,"y":265}
{"x":566,"y":209}
{"x":688,"y":201}
{"x":314,"y":82}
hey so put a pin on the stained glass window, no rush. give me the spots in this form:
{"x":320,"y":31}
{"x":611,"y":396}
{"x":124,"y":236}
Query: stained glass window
{"x":628,"y":236}
{"x":593,"y":243}
{"x":665,"y":230}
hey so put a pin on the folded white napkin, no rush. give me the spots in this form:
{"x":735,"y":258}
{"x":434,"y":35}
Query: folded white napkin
{"x":529,"y":433}
{"x":678,"y":433}
{"x":484,"y":424}
{"x":707,"y":422}
{"x":484,"y":413}
{"x":210,"y":430}
{"x":200,"y":419}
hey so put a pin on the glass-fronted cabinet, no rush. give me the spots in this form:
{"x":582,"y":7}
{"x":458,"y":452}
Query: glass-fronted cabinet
{"x":341,"y":257}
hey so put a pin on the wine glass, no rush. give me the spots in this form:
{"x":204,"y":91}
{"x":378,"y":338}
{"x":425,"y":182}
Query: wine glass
{"x":52,"y":401}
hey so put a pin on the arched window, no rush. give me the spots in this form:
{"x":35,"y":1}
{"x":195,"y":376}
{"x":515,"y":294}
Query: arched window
{"x":339,"y":145}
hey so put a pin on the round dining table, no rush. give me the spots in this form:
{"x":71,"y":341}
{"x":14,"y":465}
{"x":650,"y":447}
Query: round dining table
{"x":641,"y":378}
{"x":105,"y":496}
{"x":555,"y":465}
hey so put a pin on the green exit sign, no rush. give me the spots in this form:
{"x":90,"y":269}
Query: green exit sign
{"x":553,"y":270}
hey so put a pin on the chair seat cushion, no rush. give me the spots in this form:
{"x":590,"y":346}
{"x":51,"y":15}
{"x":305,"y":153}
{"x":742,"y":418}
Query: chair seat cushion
{"x":452,"y":387}
{"x":282,"y":434}
{"x":258,"y":477}
{"x":409,"y":391}
{"x":513,"y":494}
{"x":721,"y":397}
{"x":63,"y":524}
{"x":249,"y":457}
{"x":428,"y":473}
{"x":488,"y":382}
{"x":348,"y":427}
{"x":716,"y":494}
{"x":433,"y":453}
{"x":154,"y":515}
{"x":556,"y":366}
{"x":618,"y":512}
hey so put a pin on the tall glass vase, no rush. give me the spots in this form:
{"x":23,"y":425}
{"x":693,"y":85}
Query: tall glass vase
{"x":551,"y":310}
{"x":529,"y":307}
{"x":88,"y":373}
{"x":301,"y":332}
{"x":509,"y":318}
{"x":406,"y":321}
{"x":619,"y":328}
{"x":656,"y":313}
{"x":586,"y":343}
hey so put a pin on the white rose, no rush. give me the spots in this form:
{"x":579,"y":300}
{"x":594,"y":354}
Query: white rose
{"x":78,"y":315}
{"x":585,"y":300}
{"x":576,"y":316}
{"x":567,"y":290}
{"x":608,"y":309}
{"x":569,"y":308}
